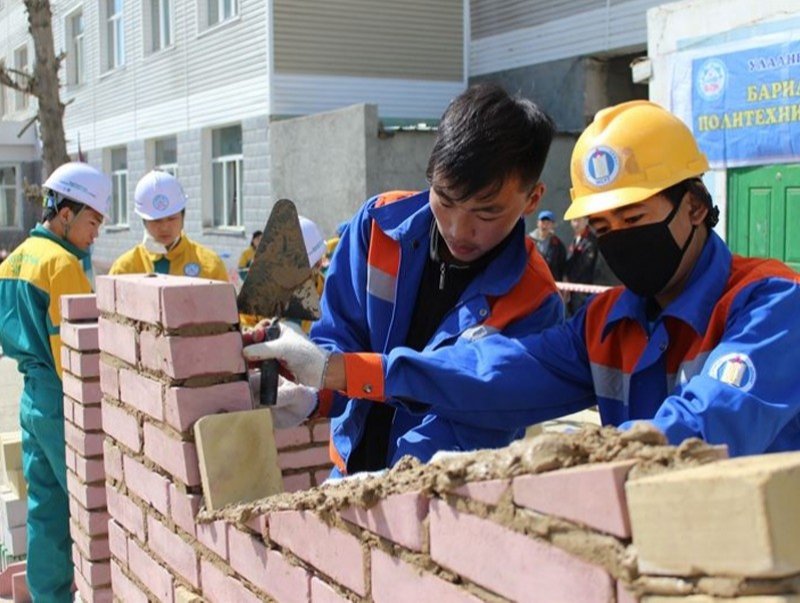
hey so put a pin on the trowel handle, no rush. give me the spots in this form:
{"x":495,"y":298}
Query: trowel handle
{"x":269,"y":371}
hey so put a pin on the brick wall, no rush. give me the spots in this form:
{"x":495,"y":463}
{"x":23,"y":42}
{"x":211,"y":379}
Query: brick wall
{"x":512,"y":524}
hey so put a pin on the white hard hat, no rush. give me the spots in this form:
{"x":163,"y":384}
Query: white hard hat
{"x":313,"y":239}
{"x":158,"y":195}
{"x":82,"y":183}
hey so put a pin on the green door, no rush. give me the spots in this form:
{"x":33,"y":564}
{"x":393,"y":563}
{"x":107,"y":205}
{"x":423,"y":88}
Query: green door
{"x":764,"y":212}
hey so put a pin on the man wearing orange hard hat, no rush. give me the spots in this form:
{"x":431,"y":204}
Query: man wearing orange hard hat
{"x":697,"y":341}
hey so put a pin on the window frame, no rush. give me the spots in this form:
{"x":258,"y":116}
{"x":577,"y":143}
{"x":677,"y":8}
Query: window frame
{"x":112,"y":36}
{"x":76,"y":61}
{"x":21,"y":100}
{"x":220,"y":6}
{"x":236,"y":160}
{"x":17,"y":225}
{"x":164,"y":20}
{"x":119,"y":184}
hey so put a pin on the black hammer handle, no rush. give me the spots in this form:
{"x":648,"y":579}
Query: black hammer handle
{"x":269,"y":371}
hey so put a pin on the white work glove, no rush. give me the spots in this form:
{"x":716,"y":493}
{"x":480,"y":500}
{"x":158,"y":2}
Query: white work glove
{"x":294,"y":404}
{"x":302,"y":357}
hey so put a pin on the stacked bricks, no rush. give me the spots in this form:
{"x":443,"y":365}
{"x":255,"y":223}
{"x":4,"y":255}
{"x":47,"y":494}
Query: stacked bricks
{"x":303,"y":454}
{"x":80,"y":362}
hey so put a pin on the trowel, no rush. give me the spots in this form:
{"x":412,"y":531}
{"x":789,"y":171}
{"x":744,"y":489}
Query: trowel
{"x":279,"y":284}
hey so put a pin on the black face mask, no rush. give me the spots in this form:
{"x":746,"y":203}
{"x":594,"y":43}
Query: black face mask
{"x":644,"y":258}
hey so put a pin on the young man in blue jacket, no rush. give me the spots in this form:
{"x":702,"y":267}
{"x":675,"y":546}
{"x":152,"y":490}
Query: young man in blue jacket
{"x":433,"y":269}
{"x":698,"y":341}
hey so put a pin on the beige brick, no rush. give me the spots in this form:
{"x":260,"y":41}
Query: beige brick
{"x":237,"y":440}
{"x":736,"y":517}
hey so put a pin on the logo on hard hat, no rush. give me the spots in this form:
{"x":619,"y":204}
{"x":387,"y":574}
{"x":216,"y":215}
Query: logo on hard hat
{"x":601,"y":166}
{"x":191,"y":269}
{"x":711,"y":79}
{"x":734,"y":369}
{"x":160,"y":202}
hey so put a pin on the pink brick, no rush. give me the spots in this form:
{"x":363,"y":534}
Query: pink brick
{"x":118,"y":542}
{"x":183,"y":357}
{"x":94,"y":548}
{"x":90,"y":497}
{"x":118,"y":340}
{"x":321,"y":475}
{"x":97,"y":573}
{"x":398,"y":518}
{"x":68,"y":411}
{"x":154,"y":577}
{"x":84,"y":365}
{"x":104,"y":286}
{"x":112,"y":460}
{"x":488,"y":492}
{"x":69,"y":458}
{"x":65,"y":355}
{"x":137,"y":297}
{"x":219,"y":588}
{"x":296,"y":482}
{"x":88,"y":418}
{"x":84,"y":443}
{"x":141,"y":393}
{"x":109,"y":380}
{"x":150,"y":355}
{"x":79,"y":307}
{"x":178,"y":458}
{"x":603,"y":507}
{"x":248,"y":556}
{"x":300,"y":459}
{"x":90,"y":594}
{"x":83,"y":392}
{"x":395,"y":580}
{"x":341,"y":558}
{"x":293,"y":436}
{"x":324,"y":593}
{"x":148,"y":485}
{"x":125,"y":512}
{"x":185,"y":405}
{"x":19,"y":588}
{"x":258,"y":524}
{"x":286,"y":582}
{"x":93,"y":522}
{"x":79,"y":336}
{"x":183,"y":508}
{"x":121,"y":426}
{"x":124,"y":588}
{"x":527,"y":569}
{"x":177,"y":553}
{"x":322,"y":431}
{"x":194,"y":301}
{"x":89,"y":470}
{"x":214,"y":535}
{"x":5,"y":577}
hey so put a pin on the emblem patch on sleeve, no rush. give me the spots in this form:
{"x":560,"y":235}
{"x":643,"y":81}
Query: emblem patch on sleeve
{"x":734,"y":369}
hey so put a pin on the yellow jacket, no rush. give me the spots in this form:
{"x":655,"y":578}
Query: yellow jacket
{"x":247,"y":257}
{"x":187,"y":258}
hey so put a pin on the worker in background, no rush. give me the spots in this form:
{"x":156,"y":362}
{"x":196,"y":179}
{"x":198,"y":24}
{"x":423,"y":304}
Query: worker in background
{"x":427,"y":271}
{"x":33,"y":278}
{"x":698,"y":341}
{"x":548,"y":244}
{"x":161,"y":203}
{"x":247,"y":255}
{"x":581,"y":262}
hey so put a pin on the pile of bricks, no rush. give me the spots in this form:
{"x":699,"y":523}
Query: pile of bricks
{"x":170,"y":354}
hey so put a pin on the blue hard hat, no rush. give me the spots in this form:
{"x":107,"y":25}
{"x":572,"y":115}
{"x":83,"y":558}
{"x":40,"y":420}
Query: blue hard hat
{"x":546,"y":215}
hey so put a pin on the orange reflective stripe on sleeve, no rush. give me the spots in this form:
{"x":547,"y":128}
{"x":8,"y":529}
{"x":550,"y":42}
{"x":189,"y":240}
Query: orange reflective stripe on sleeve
{"x":336,"y":458}
{"x":535,"y":284}
{"x":364,"y":376}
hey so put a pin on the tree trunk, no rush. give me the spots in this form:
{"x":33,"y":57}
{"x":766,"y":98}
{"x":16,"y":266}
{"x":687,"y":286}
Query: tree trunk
{"x":46,"y":86}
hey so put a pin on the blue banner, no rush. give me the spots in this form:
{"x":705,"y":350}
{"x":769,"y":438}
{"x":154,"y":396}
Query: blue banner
{"x":746,"y":105}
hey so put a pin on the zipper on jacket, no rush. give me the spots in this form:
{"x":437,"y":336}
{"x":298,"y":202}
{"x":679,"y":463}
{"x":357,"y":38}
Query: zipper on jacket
{"x":442,"y":272}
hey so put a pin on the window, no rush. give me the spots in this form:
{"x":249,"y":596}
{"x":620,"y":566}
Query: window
{"x":166,"y":155}
{"x":21,"y":64}
{"x":113,"y":37}
{"x":226,"y":174}
{"x":221,"y":10}
{"x":8,"y":196}
{"x":160,"y":24}
{"x":119,"y":188}
{"x":75,"y":53}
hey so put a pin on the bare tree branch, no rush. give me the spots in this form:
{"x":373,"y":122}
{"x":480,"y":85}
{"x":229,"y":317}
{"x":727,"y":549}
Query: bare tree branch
{"x":9,"y":82}
{"x":27,"y":125}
